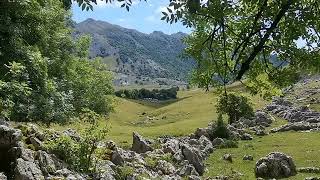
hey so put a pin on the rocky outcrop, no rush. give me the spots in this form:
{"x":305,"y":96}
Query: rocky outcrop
{"x":314,"y":170}
{"x":275,"y":165}
{"x":21,"y":163}
{"x":194,"y":157}
{"x":140,"y":145}
{"x":285,"y":109}
{"x":298,"y":126}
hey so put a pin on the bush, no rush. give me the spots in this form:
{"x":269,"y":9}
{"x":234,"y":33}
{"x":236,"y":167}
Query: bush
{"x":235,"y":106}
{"x":219,"y":129}
{"x":80,"y":154}
{"x":228,"y":144}
{"x":124,"y":172}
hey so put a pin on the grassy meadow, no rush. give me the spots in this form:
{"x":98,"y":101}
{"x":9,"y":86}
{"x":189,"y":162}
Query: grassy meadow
{"x":196,"y":108}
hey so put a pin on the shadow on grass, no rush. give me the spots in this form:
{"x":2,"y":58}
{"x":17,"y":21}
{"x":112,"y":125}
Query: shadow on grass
{"x":158,"y":104}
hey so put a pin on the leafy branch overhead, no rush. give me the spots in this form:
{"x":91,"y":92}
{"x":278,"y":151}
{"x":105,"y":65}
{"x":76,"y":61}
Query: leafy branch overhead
{"x":255,"y":39}
{"x":88,"y":4}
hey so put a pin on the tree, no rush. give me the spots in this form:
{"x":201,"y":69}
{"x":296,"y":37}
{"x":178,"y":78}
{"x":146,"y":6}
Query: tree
{"x":87,"y":4}
{"x":255,"y":40}
{"x":235,"y":106}
{"x":44,"y":73}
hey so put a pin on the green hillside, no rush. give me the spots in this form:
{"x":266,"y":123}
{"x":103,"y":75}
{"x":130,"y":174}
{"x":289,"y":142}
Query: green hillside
{"x":196,"y":108}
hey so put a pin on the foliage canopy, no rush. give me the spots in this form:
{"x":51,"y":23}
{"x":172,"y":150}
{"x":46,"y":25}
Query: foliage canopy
{"x":44,"y":72}
{"x":255,"y":39}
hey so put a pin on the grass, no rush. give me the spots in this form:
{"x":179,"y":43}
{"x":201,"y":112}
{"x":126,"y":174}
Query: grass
{"x":193,"y":109}
{"x":196,"y":108}
{"x":303,"y":147}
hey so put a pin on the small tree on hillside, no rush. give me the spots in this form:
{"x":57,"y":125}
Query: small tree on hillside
{"x":235,"y":106}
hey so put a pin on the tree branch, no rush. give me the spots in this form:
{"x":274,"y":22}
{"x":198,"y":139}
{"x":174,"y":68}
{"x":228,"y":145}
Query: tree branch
{"x":246,"y":64}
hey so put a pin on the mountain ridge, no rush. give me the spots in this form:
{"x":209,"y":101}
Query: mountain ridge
{"x":136,"y":57}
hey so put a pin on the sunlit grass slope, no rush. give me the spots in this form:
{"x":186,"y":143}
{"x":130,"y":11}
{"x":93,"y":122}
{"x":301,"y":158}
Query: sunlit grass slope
{"x":196,"y":108}
{"x":303,"y":147}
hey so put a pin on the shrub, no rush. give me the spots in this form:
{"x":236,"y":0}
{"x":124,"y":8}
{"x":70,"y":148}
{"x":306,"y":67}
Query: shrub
{"x":151,"y":162}
{"x":80,"y":154}
{"x":235,"y":106}
{"x":228,"y":144}
{"x":124,"y":172}
{"x":220,"y":129}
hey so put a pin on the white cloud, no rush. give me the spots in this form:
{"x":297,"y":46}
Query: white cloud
{"x":121,"y":20}
{"x":150,"y":18}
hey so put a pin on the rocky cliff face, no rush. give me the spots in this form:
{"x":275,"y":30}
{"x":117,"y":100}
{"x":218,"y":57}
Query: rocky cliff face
{"x":135,"y":57}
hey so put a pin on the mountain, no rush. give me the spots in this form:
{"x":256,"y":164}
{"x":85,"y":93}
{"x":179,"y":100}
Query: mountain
{"x":135,"y":57}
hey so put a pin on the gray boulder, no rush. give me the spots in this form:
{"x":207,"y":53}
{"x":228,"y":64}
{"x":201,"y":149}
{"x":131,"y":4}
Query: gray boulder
{"x":247,"y":158}
{"x":227,"y":157}
{"x":111,"y":145}
{"x":263,"y":118}
{"x":26,"y":170}
{"x":37,"y":144}
{"x":48,"y":163}
{"x":261,"y":132}
{"x":139,"y":144}
{"x":194,"y":157}
{"x":117,"y":157}
{"x":187,"y":170}
{"x":246,"y":137}
{"x":205,"y":146}
{"x":298,"y":126}
{"x":165,"y":167}
{"x":178,"y":156}
{"x":217,"y":142}
{"x":202,"y":132}
{"x":106,"y":171}
{"x":275,"y":165}
{"x":9,"y":137}
{"x":72,"y":133}
{"x":3,"y":176}
{"x":171,"y":146}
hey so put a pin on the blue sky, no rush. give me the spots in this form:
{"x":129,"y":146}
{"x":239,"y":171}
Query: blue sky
{"x":143,"y":16}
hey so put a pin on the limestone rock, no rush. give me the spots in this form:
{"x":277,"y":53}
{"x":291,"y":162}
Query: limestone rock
{"x":202,"y":132}
{"x":72,"y":133}
{"x":26,"y":170}
{"x":194,"y":157}
{"x":140,"y":145}
{"x":205,"y":146}
{"x":3,"y":176}
{"x":187,"y":170}
{"x":111,"y":145}
{"x":275,"y":165}
{"x":227,"y":157}
{"x":171,"y":146}
{"x":37,"y":144}
{"x":246,"y":137}
{"x":165,"y":167}
{"x":263,"y":118}
{"x":9,"y":137}
{"x":247,"y":158}
{"x":217,"y":141}
{"x":48,"y":163}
